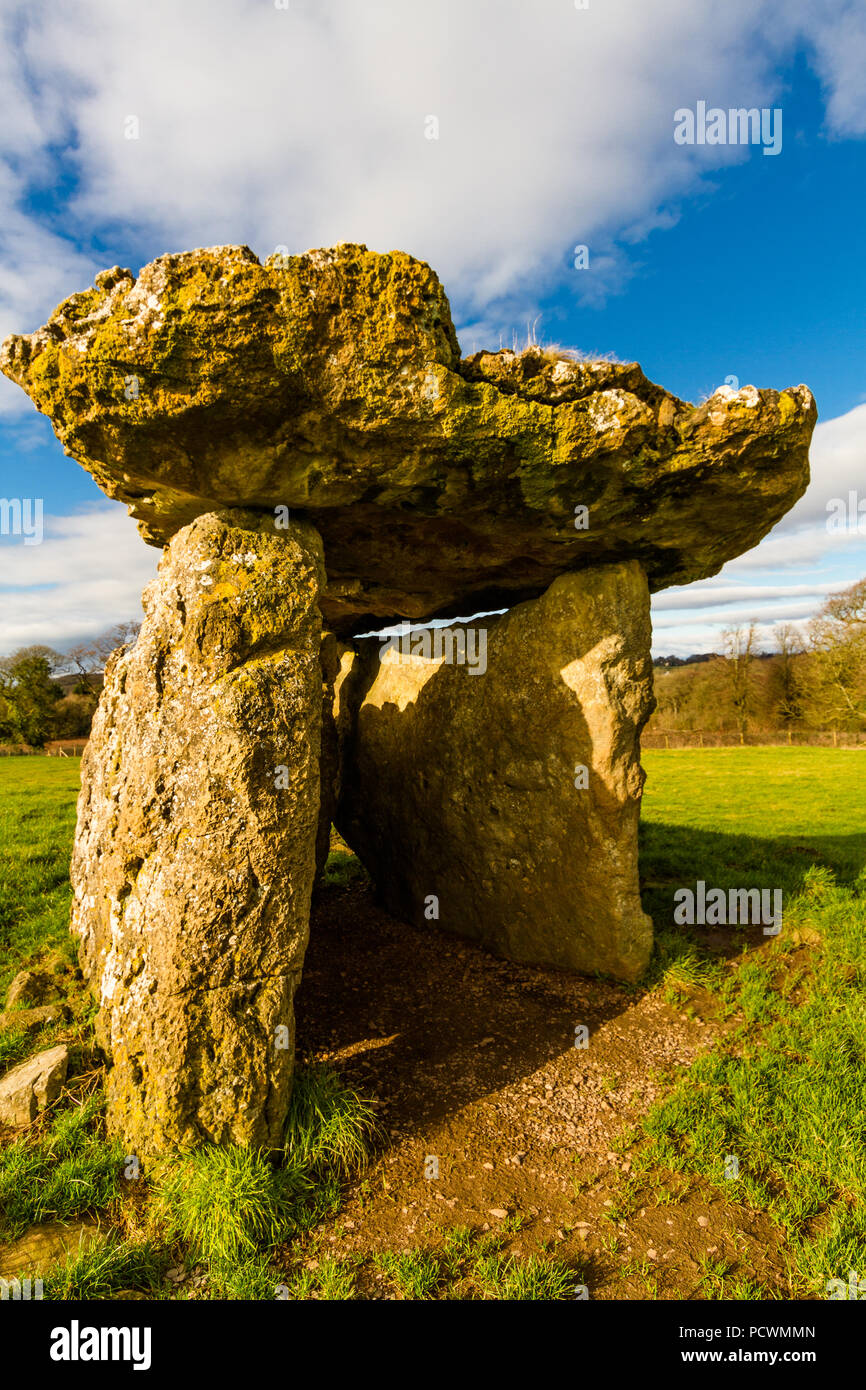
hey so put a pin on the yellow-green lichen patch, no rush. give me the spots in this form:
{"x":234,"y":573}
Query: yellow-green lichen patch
{"x":330,"y":383}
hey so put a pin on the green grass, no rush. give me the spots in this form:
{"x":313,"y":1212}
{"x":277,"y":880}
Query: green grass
{"x":102,"y":1271}
{"x":785,"y":1092}
{"x":415,"y":1273}
{"x":742,"y":818}
{"x":511,"y":1279}
{"x":37,"y":821}
{"x":342,"y":870}
{"x":469,"y":1266}
{"x":738,"y":817}
{"x":226,"y":1204}
{"x":64,"y":1173}
{"x":250,"y":1279}
{"x":329,"y":1126}
{"x":332,"y":1281}
{"x":15,"y":1045}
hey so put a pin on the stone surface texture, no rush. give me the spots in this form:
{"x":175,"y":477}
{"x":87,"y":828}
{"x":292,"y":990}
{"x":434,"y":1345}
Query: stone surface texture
{"x":462,"y":786}
{"x":29,"y":1087}
{"x":195,"y":848}
{"x":331,"y":383}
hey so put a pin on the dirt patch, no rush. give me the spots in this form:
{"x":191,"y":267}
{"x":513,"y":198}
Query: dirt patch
{"x":474,"y":1065}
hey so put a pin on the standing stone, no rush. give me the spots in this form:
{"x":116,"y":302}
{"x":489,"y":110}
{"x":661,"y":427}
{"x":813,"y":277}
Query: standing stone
{"x":459,"y":789}
{"x":195,"y":849}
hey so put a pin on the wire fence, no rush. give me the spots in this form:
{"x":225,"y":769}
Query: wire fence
{"x":652,"y":738}
{"x":754,"y":738}
{"x":58,"y":748}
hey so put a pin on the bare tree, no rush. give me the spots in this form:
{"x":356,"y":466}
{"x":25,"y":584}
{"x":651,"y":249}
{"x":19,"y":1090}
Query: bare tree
{"x":790,"y":646}
{"x":739,"y":648}
{"x":835,"y":692}
{"x":89,"y":658}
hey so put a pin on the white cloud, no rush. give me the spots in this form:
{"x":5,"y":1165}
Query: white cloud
{"x":87,"y":575}
{"x":837,"y":30}
{"x":812,"y":559}
{"x":838,"y":466}
{"x":306,"y":125}
{"x":709,"y":595}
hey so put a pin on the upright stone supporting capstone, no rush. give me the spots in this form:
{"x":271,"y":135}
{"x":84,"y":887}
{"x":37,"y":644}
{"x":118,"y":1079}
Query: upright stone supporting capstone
{"x":195,"y":850}
{"x":502,"y":803}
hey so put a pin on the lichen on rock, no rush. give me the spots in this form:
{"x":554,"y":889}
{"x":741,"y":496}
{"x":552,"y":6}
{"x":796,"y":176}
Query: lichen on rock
{"x":459,"y":789}
{"x":331,"y":383}
{"x":195,"y":849}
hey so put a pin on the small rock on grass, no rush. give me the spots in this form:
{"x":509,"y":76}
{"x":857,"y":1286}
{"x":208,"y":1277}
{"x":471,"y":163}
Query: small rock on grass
{"x":32,"y":987}
{"x":29,"y":1087}
{"x":48,"y":1244}
{"x":30,"y":1020}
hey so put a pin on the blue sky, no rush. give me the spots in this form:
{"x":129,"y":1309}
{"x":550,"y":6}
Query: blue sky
{"x":306,"y":126}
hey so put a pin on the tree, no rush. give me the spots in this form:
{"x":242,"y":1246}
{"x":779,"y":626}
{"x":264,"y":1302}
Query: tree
{"x":739,"y":646}
{"x":89,"y":658}
{"x":786,"y":693}
{"x":835,"y":687}
{"x":73,"y":716}
{"x":28,"y":694}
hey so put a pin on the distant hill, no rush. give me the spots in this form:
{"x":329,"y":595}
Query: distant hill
{"x":683,"y":660}
{"x":668,"y":661}
{"x":68,"y":682}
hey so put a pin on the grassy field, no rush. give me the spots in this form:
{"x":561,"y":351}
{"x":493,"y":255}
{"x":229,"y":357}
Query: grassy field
{"x":37,"y":821}
{"x":750,"y":817}
{"x":809,"y":795}
{"x":785,"y":1093}
{"x":781,"y":1090}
